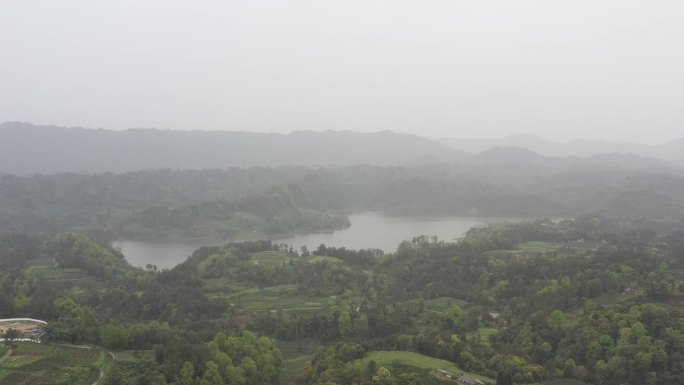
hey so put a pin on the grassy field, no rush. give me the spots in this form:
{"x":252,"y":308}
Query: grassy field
{"x":537,"y":247}
{"x":51,"y":365}
{"x":266,"y":300}
{"x":54,"y":274}
{"x":272,"y":258}
{"x":440,"y":304}
{"x":416,"y":360}
{"x":282,"y":297}
{"x":45,"y":266}
{"x":221,"y":285}
{"x":321,"y":258}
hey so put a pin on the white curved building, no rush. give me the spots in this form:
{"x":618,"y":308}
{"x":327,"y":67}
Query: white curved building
{"x":29,"y":327}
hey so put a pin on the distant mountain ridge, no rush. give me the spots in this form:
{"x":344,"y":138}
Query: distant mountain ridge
{"x":524,"y":157}
{"x":29,"y":149}
{"x":672,"y":151}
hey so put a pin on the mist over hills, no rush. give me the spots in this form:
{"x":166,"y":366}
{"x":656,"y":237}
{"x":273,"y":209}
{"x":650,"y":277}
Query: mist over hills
{"x":285,"y":200}
{"x":28,"y":149}
{"x":523,"y":156}
{"x":148,"y":182}
{"x":672,"y":151}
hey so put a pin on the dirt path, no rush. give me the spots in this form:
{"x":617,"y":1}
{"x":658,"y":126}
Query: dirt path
{"x":6,"y":355}
{"x":106,"y":366}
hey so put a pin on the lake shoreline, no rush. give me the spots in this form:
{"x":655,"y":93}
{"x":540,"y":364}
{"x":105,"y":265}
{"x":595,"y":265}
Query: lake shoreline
{"x":368,"y":230}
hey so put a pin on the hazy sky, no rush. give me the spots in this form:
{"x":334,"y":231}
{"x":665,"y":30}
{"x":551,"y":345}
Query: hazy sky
{"x":461,"y":68}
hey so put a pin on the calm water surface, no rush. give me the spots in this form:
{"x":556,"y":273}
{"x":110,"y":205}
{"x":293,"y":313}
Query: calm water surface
{"x":367,"y":230}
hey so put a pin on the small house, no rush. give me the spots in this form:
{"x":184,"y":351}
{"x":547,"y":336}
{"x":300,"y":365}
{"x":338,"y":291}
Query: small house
{"x":445,"y":374}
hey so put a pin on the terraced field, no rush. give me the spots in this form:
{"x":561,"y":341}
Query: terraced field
{"x":439,"y":304}
{"x":420,"y":361}
{"x":284,"y":297}
{"x":51,"y":365}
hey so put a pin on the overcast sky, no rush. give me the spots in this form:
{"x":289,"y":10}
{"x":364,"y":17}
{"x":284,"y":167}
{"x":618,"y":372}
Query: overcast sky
{"x":460,"y":68}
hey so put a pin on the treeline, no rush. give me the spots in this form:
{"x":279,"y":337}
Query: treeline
{"x":234,"y":202}
{"x":285,"y":200}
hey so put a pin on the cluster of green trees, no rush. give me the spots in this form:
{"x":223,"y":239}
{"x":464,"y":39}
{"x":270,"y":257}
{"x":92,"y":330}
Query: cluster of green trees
{"x":233,"y":202}
{"x":588,"y":299}
{"x":244,"y":359}
{"x":76,"y":250}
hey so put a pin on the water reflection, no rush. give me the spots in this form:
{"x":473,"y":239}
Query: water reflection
{"x":367,"y":230}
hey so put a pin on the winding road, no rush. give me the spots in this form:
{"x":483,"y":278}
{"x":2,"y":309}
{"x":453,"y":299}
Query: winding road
{"x":104,"y":370}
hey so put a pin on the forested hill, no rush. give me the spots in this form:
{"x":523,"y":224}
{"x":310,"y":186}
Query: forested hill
{"x":29,"y":149}
{"x":286,"y":200}
{"x":584,"y":301}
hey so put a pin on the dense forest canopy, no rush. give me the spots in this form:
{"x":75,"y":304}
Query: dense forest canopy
{"x":595,"y":299}
{"x":286,"y":200}
{"x":588,"y":299}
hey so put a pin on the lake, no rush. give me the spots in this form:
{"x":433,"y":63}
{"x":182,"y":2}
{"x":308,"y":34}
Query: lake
{"x":367,"y":230}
